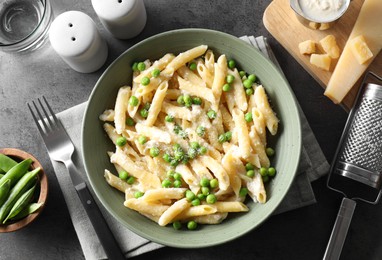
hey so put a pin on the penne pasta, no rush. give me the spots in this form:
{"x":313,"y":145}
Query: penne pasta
{"x":262,"y":103}
{"x":188,"y":147}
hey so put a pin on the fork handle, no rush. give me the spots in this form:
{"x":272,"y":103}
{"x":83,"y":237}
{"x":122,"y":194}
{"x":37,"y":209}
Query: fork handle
{"x":101,"y":228}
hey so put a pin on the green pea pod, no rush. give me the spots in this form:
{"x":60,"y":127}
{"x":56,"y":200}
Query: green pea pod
{"x":29,"y":209}
{"x":1,"y":175}
{"x":21,"y":203}
{"x":6,"y":162}
{"x":21,"y":186}
{"x":16,"y":172}
{"x":4,"y":191}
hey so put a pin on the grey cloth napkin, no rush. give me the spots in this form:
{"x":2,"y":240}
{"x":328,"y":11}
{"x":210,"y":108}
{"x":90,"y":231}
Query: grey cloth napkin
{"x":312,"y":166}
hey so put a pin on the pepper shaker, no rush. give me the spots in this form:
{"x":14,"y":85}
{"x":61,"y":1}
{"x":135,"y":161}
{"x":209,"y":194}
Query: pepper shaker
{"x":74,"y":36}
{"x":124,"y":19}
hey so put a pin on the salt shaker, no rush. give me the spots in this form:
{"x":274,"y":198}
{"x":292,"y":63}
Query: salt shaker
{"x":124,"y":19}
{"x":74,"y":36}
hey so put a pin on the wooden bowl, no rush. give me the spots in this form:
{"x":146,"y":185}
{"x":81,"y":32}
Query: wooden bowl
{"x":19,"y":155}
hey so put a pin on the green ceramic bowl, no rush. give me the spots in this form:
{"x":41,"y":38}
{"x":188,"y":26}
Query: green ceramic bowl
{"x":287,"y":144}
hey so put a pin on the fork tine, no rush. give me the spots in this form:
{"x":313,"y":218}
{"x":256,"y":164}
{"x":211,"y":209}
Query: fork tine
{"x":47,"y":116}
{"x":41,"y":118}
{"x":35,"y":119}
{"x":51,"y":111}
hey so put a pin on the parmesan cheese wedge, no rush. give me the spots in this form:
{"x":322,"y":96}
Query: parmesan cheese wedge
{"x":360,"y":49}
{"x":348,"y":70}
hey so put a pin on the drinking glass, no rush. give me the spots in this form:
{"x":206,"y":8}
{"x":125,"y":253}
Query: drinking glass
{"x":24,"y":24}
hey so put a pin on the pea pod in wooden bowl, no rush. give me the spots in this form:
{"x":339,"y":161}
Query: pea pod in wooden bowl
{"x":23,"y":189}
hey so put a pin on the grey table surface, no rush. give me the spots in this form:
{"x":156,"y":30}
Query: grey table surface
{"x":299,"y":234}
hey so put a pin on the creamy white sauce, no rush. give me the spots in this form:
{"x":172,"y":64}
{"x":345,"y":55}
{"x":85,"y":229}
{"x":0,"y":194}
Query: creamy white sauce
{"x":322,"y":10}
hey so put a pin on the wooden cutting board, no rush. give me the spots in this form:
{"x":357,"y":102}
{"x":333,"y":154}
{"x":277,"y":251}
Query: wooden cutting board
{"x":280,"y":20}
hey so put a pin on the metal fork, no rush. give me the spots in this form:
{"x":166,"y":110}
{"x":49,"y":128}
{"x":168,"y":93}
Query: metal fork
{"x":60,"y":148}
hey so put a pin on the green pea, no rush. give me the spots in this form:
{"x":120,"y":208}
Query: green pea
{"x":177,"y":183}
{"x":155,"y":73}
{"x":123,"y":175}
{"x":230,"y":78}
{"x":133,"y":101}
{"x":177,"y":225}
{"x":265,"y":178}
{"x":270,"y":151}
{"x":205,"y":190}
{"x":204,"y":182}
{"x":154,"y":151}
{"x":141,"y":66}
{"x":192,"y":153}
{"x":144,"y":113}
{"x":192,"y":225}
{"x":247,"y":83}
{"x":179,"y":154}
{"x":271,"y":171}
{"x":211,"y":199}
{"x":248,"y":117}
{"x":166,"y":183}
{"x":222,"y":138}
{"x":263,"y":171}
{"x":180,"y":100}
{"x":121,"y":141}
{"x":242,"y":73}
{"x":243,"y":192}
{"x":249,"y":166}
{"x":196,"y":101}
{"x":147,"y":106}
{"x":195,"y":145}
{"x":176,"y":147}
{"x":211,"y":114}
{"x":200,"y":130}
{"x":252,"y":77}
{"x":190,"y":196}
{"x":167,"y":157}
{"x":145,"y":81}
{"x":231,"y":64}
{"x":174,"y":162}
{"x":135,"y":66}
{"x":249,"y":91}
{"x":214,"y":183}
{"x":195,"y":202}
{"x":192,"y":66}
{"x":250,"y":173}
{"x":170,"y":174}
{"x":177,"y":176}
{"x":130,"y":121}
{"x":142,"y":139}
{"x":187,"y":100}
{"x":130,"y":180}
{"x":228,"y":136}
{"x":169,"y":118}
{"x":201,"y":196}
{"x":226,"y":87}
{"x":202,"y":150}
{"x":177,"y":129}
{"x":138,"y":194}
{"x":185,"y":159}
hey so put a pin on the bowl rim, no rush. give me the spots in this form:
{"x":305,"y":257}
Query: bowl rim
{"x":44,"y":189}
{"x":298,"y":143}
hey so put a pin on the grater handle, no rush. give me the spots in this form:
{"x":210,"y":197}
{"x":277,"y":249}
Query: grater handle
{"x":340,"y":229}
